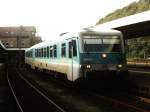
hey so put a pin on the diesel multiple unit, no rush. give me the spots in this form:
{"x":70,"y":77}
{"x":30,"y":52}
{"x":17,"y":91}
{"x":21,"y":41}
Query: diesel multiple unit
{"x":75,"y":55}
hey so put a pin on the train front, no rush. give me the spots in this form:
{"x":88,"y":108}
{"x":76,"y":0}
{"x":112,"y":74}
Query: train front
{"x":102,"y":55}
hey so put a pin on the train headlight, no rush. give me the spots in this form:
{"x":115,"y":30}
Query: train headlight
{"x":88,"y":66}
{"x":120,"y":66}
{"x":104,"y":55}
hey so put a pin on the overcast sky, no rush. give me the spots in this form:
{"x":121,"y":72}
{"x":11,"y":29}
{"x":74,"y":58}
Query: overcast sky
{"x":53,"y":17}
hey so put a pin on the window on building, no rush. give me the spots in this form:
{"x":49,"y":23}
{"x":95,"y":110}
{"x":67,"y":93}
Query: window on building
{"x":63,"y":50}
{"x":11,"y":45}
{"x":11,"y":33}
{"x":33,"y":33}
{"x":23,"y":44}
{"x":7,"y":44}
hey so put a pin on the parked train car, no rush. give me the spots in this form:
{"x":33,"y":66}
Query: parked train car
{"x":81,"y":54}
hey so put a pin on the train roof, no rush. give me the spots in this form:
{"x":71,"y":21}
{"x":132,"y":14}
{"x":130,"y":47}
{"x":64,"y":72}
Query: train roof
{"x":67,"y":35}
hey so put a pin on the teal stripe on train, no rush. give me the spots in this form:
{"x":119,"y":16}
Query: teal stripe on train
{"x":96,"y":58}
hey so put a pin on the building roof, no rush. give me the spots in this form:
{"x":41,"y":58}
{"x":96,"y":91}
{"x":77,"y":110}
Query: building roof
{"x":17,"y":31}
{"x":133,"y":26}
{"x":133,"y":19}
{"x":2,"y":47}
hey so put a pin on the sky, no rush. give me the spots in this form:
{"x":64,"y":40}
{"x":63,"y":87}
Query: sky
{"x":52,"y":17}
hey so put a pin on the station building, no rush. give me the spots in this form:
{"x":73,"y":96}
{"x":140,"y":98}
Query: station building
{"x":19,"y":37}
{"x":14,"y":41}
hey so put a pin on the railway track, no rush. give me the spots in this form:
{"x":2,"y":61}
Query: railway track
{"x":140,"y":79}
{"x":28,"y":97}
{"x":115,"y":103}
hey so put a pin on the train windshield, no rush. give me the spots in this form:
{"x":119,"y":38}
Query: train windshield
{"x":101,"y":43}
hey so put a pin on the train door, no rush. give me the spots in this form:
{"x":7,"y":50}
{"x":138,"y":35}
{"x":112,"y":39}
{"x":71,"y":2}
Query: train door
{"x":72,"y":54}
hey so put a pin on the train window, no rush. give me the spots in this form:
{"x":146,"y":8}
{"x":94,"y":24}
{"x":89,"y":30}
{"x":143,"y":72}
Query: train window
{"x":55,"y":51}
{"x":111,"y":41}
{"x":44,"y":52}
{"x":37,"y":52}
{"x":48,"y":52}
{"x":28,"y":54}
{"x":74,"y":47}
{"x":112,"y":45}
{"x":41,"y":52}
{"x":101,"y":44}
{"x":70,"y":49}
{"x":51,"y":51}
{"x":63,"y":50}
{"x":31,"y":52}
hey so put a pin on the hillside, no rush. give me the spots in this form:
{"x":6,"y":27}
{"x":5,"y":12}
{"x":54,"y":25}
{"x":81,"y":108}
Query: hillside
{"x":133,"y":8}
{"x":139,"y":47}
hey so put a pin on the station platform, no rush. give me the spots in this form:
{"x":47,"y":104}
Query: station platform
{"x":11,"y":56}
{"x":140,"y":77}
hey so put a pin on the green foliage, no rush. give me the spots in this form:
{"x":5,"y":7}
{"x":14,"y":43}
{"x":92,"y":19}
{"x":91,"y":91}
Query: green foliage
{"x":133,"y":8}
{"x":138,"y":48}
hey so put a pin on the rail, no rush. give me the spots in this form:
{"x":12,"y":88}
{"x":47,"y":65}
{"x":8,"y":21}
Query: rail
{"x":96,"y":96}
{"x":30,"y":99}
{"x":13,"y":92}
{"x":40,"y":93}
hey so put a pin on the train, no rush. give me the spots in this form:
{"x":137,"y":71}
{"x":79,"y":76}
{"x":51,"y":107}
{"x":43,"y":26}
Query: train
{"x":81,"y":54}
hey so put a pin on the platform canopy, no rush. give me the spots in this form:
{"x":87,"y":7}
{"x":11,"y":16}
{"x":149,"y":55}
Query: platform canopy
{"x":133,"y":26}
{"x":2,"y":47}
